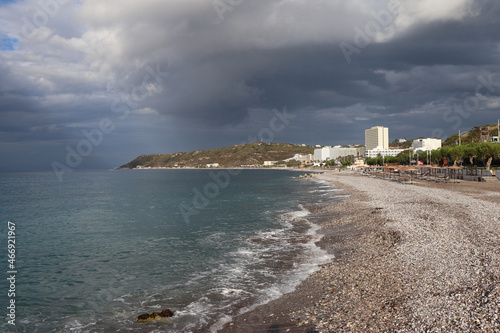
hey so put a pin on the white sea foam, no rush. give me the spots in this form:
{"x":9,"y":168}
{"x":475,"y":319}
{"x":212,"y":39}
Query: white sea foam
{"x":120,"y":299}
{"x":149,"y":260}
{"x":223,"y":320}
{"x":310,"y":257}
{"x":77,"y":326}
{"x":251,"y":274}
{"x":326,"y":190}
{"x":303,"y":212}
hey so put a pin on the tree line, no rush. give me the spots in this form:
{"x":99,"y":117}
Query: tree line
{"x":469,"y":155}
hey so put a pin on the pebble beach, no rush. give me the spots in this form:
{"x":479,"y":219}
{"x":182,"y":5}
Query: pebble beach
{"x":407,"y":258}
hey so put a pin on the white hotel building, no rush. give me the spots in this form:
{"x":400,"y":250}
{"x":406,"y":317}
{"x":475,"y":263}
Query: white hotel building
{"x":328,"y":153}
{"x":426,"y":144}
{"x":377,"y":136}
{"x":377,"y":143}
{"x":373,"y":153}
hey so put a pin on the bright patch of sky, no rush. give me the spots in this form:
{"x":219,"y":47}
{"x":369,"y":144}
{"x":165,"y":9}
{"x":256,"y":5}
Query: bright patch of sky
{"x":7,"y":43}
{"x":5,"y":2}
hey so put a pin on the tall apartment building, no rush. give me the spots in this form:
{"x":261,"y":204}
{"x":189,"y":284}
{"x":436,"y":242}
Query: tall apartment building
{"x":377,"y":136}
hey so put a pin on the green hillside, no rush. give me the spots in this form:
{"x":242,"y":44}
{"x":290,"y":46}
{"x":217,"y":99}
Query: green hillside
{"x":476,"y":134}
{"x":234,"y":156}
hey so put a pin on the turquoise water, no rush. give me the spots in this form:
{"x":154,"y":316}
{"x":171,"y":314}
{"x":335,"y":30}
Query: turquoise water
{"x":102,"y":247}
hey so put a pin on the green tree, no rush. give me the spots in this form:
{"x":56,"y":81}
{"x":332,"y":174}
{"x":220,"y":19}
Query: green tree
{"x":390,"y":159}
{"x":482,"y":153}
{"x":346,"y":163}
{"x":403,"y":158}
{"x":329,"y":163}
{"x":456,"y":153}
{"x":470,"y":152}
{"x":446,"y":154}
{"x":293,"y":163}
{"x":436,"y":156}
{"x":374,"y":161}
{"x":491,"y":150}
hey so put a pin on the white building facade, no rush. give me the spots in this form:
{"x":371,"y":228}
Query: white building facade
{"x":373,"y":153}
{"x":426,"y":144}
{"x":377,"y":136}
{"x":322,"y":154}
{"x":303,"y":157}
{"x":329,"y":153}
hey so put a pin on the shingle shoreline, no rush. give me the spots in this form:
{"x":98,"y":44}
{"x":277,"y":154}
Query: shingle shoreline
{"x":409,"y":258}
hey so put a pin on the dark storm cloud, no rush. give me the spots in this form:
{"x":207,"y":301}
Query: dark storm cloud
{"x":196,"y":75}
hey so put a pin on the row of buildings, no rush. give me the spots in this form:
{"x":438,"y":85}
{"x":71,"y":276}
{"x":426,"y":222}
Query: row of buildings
{"x":376,"y":144}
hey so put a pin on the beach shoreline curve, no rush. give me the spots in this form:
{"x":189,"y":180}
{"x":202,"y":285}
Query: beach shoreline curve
{"x":407,"y":258}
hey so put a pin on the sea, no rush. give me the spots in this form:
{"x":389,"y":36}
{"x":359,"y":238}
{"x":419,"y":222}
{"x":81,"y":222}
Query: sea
{"x":96,"y":250}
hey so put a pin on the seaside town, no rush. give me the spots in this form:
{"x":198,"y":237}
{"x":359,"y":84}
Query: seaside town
{"x":420,"y":258}
{"x":402,"y":159}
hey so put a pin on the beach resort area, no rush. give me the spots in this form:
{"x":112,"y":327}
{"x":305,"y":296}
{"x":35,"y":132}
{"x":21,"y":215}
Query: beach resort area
{"x":421,"y":257}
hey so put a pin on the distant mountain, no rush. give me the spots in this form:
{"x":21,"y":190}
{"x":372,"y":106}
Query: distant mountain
{"x":234,"y":156}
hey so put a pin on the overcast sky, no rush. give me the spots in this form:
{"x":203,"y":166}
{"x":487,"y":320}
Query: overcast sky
{"x":95,"y":83}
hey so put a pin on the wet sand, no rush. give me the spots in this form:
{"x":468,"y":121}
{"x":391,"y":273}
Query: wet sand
{"x":423,"y":257}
